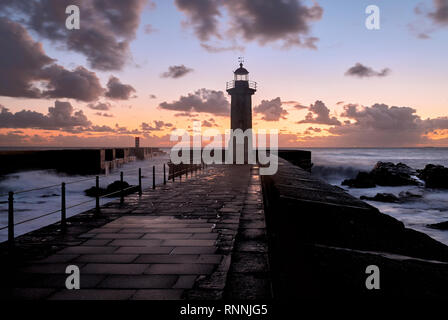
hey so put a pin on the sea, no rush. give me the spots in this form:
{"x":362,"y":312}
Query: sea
{"x":332,"y":165}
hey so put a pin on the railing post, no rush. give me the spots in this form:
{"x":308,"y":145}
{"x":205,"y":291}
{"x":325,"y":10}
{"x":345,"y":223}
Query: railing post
{"x":139,"y":181}
{"x":63,"y":207}
{"x":121,"y":187}
{"x":11,"y":219}
{"x":164,"y":174}
{"x":180,"y":174}
{"x":97,"y":196}
{"x":153,"y":177}
{"x":173,"y":172}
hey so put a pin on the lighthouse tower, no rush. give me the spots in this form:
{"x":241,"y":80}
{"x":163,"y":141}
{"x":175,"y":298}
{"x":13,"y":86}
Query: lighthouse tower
{"x":241,"y":91}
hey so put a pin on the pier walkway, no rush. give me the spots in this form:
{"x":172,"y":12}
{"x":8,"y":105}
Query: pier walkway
{"x":185,"y":240}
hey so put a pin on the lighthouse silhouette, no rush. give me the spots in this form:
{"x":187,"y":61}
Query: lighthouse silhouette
{"x":241,"y":91}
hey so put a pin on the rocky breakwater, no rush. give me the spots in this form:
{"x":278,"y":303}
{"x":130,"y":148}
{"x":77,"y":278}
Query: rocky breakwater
{"x":322,"y":240}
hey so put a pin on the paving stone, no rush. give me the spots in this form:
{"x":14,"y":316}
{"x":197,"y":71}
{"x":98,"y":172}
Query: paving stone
{"x":143,"y":250}
{"x":158,"y":294}
{"x":96,"y":242}
{"x":180,"y":269}
{"x":185,"y":282}
{"x":119,"y":235}
{"x":168,"y":258}
{"x":57,"y":258}
{"x":193,"y":250}
{"x":87,"y":250}
{"x":163,"y":236}
{"x":107,"y":258}
{"x":93,"y":294}
{"x":135,"y":243}
{"x":139,"y":282}
{"x":189,"y":243}
{"x":113,"y":268}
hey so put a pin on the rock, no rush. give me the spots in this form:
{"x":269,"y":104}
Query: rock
{"x":384,"y":174}
{"x":409,"y":195}
{"x":113,"y":187}
{"x":94,"y":191}
{"x":382,"y":197}
{"x":362,"y":180}
{"x":435,"y":176}
{"x":439,"y":226}
{"x":389,"y":174}
{"x":117,"y":186}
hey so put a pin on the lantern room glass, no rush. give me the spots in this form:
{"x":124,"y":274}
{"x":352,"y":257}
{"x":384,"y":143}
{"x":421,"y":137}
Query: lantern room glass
{"x":241,"y":77}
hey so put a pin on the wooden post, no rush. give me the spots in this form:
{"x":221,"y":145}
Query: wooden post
{"x":11,"y":219}
{"x":173,"y":172}
{"x":121,"y":191}
{"x":97,"y":196}
{"x":63,"y":208}
{"x":164,"y":174}
{"x":153,"y":177}
{"x":140,"y":181}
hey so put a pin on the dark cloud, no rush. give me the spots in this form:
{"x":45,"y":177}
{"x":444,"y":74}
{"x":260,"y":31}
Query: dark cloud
{"x":107,"y":26}
{"x":273,"y":20}
{"x":440,"y":14}
{"x":271,"y":110}
{"x":264,"y":21}
{"x":202,"y":16}
{"x":79,"y":84}
{"x":157,"y":125}
{"x":61,"y":116}
{"x":152,"y":96}
{"x":320,"y":114}
{"x":24,"y":64}
{"x":202,"y":100}
{"x":103,"y":106}
{"x":176,"y":72}
{"x":117,"y":90}
{"x":361,"y":71}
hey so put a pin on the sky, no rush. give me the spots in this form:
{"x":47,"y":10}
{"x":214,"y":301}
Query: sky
{"x":144,"y":68}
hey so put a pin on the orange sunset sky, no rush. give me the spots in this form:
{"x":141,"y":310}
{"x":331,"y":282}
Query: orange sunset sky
{"x":143,"y":68}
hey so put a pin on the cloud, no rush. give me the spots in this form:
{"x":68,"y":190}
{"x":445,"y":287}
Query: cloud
{"x":217,"y":49}
{"x":440,"y":14}
{"x":79,"y":84}
{"x":103,"y":106}
{"x":320,"y":114}
{"x":361,"y":71}
{"x":148,"y":29}
{"x":264,"y":21}
{"x":24,"y":64}
{"x":202,"y":16}
{"x":202,"y":100}
{"x":107,"y":27}
{"x":175,"y":72}
{"x":271,"y":109}
{"x":152,"y":96}
{"x":157,"y":125}
{"x":104,"y":114}
{"x":61,"y":116}
{"x":117,"y":90}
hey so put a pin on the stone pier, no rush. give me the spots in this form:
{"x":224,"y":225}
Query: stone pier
{"x":185,"y":240}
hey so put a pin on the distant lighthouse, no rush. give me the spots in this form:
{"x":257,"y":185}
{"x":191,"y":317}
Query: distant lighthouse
{"x":241,"y":91}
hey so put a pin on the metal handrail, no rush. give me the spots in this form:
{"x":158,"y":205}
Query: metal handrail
{"x":63,"y":208}
{"x":232,"y":84}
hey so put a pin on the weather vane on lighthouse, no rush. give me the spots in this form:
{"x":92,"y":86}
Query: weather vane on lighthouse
{"x":241,"y":60}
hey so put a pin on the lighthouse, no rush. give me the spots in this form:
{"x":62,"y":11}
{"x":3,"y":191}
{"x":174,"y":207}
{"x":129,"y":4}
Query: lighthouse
{"x":241,"y":90}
